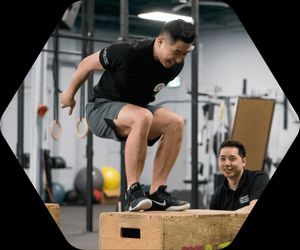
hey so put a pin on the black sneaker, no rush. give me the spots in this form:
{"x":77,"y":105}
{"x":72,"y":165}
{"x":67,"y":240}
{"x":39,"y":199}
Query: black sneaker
{"x":162,"y":200}
{"x":135,"y":198}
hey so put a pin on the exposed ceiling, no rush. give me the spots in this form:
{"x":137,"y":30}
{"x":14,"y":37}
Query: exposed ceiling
{"x":213,"y":14}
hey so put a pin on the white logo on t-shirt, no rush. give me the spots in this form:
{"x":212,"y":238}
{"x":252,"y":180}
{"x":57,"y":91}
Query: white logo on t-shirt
{"x":158,"y":87}
{"x":104,"y":56}
{"x":244,"y":199}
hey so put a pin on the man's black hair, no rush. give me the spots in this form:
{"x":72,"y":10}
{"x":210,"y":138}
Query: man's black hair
{"x":234,"y":144}
{"x":179,"y":30}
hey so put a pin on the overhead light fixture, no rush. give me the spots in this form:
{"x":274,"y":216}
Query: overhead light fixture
{"x":164,"y":17}
{"x":188,"y":4}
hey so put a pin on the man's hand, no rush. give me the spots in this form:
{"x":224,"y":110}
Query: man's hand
{"x":67,"y":100}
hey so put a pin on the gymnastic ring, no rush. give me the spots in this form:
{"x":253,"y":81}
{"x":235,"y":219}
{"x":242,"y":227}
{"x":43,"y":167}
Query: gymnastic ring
{"x":55,"y":130}
{"x":85,"y":128}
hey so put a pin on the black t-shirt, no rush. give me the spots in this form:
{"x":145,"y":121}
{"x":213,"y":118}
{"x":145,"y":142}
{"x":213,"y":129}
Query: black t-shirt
{"x":250,"y":187}
{"x":132,"y":74}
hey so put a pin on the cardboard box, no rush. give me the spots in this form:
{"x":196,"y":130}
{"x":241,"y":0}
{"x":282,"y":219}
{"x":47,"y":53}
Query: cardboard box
{"x":189,"y":229}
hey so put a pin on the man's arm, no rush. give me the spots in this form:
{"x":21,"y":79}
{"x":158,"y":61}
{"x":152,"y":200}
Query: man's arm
{"x":258,"y":184}
{"x":86,"y":66}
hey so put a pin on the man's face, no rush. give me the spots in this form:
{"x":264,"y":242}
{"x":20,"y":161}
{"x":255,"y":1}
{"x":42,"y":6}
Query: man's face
{"x":170,"y":53}
{"x":230,"y":162}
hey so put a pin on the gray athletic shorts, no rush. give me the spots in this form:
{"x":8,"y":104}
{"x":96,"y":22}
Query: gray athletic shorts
{"x":101,"y":113}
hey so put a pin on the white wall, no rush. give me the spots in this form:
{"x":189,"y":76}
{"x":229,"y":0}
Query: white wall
{"x":230,"y":57}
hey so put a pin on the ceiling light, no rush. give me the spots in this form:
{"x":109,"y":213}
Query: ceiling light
{"x":164,"y":17}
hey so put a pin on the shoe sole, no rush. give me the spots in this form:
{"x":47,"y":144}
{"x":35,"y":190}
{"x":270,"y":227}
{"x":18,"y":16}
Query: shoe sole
{"x":142,"y":205}
{"x":179,"y":208}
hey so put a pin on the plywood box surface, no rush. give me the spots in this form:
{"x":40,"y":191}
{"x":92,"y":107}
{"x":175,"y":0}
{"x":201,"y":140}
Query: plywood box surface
{"x":53,"y":208}
{"x":190,"y":229}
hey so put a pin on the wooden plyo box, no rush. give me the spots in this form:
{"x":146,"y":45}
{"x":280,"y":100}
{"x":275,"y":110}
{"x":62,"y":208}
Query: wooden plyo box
{"x":53,"y":208}
{"x":189,"y":229}
{"x":110,"y":196}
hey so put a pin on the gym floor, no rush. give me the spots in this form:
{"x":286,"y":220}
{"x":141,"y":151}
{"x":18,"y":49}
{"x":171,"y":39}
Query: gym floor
{"x":73,"y":225}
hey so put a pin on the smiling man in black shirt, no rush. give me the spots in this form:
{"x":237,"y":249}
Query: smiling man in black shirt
{"x":241,"y":187}
{"x":120,"y":109}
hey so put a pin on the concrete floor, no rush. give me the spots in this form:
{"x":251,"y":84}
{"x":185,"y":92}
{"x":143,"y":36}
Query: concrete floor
{"x":74,"y":226}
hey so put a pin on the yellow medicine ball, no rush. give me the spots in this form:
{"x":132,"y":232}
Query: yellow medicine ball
{"x":111,"y":178}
